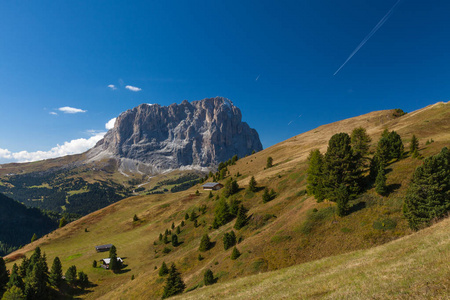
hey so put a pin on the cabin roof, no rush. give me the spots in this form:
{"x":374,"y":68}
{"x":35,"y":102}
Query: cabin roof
{"x":210,"y":184}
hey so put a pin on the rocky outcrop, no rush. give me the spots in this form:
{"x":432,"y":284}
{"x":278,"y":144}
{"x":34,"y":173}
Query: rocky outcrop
{"x":198,"y":134}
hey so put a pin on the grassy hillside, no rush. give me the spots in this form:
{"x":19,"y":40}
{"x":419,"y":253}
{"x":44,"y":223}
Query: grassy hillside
{"x":291,"y":229}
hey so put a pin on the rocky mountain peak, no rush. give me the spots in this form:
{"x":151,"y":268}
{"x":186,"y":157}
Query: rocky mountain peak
{"x":198,"y":134}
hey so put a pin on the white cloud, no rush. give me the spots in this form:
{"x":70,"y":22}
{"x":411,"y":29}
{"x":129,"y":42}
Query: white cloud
{"x":133,"y":88}
{"x":71,"y":110}
{"x":110,"y":124}
{"x":112,"y":86}
{"x":68,"y":148}
{"x":53,"y":113}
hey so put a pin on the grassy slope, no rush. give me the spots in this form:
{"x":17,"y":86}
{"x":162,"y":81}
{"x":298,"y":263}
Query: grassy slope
{"x":282,"y":233}
{"x":413,"y":267}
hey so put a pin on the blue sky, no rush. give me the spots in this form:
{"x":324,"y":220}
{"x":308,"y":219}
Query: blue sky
{"x":274,"y":59}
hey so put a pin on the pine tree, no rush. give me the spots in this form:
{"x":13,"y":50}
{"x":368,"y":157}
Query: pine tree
{"x":174,"y":240}
{"x":174,"y":284}
{"x":193,"y":216}
{"x":414,"y":146}
{"x":160,"y":237}
{"x":34,"y":237}
{"x":208,"y":277}
{"x":71,"y":275}
{"x":173,"y":226}
{"x":360,"y":141}
{"x":342,"y":198}
{"x":229,"y":240}
{"x":14,"y":293}
{"x":222,"y":213}
{"x":135,"y":218}
{"x":235,"y":254}
{"x":112,"y":251}
{"x":62,"y":222}
{"x":4,"y":277}
{"x":269,"y":163}
{"x":231,"y":187}
{"x":83,"y":279}
{"x":178,"y":230}
{"x":186,"y":216}
{"x":234,"y":159}
{"x":24,"y":267}
{"x":56,"y":272}
{"x":210,"y":195}
{"x":165,"y":239}
{"x":94,"y":264}
{"x":114,"y":264}
{"x":340,"y":168}
{"x":266,"y":196}
{"x":163,"y":270}
{"x":241,"y":219}
{"x":205,"y":243}
{"x":427,"y":197}
{"x":314,"y":177}
{"x":252,"y":184}
{"x":15,"y":279}
{"x":380,"y":182}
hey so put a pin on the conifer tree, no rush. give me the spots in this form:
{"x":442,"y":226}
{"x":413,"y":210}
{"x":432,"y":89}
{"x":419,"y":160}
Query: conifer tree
{"x":193,"y":216}
{"x":241,"y":219}
{"x":360,"y":141}
{"x":380,"y":182}
{"x":427,"y":197}
{"x":208,"y":277}
{"x":178,"y":230}
{"x":266,"y":196}
{"x":234,"y":159}
{"x":210,"y":195}
{"x":165,"y":239}
{"x":71,"y":275}
{"x":252,"y":184}
{"x":235,"y":254}
{"x":205,"y":243}
{"x":114,"y":264}
{"x":231,"y":187}
{"x":186,"y":216}
{"x":314,"y":177}
{"x":173,"y":226}
{"x":83,"y":279}
{"x":342,"y":198}
{"x":4,"y":277}
{"x":24,"y":267}
{"x":94,"y":263}
{"x":269,"y":163}
{"x":160,"y":237}
{"x":174,"y":284}
{"x":14,"y":293}
{"x":135,"y":218}
{"x":15,"y":279}
{"x":56,"y":273}
{"x":229,"y":240}
{"x":414,"y":146}
{"x":62,"y":222}
{"x":174,"y":240}
{"x":34,"y":237}
{"x":222,"y":213}
{"x":163,"y":270}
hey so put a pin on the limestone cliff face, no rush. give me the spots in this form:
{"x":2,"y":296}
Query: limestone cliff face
{"x":198,"y":134}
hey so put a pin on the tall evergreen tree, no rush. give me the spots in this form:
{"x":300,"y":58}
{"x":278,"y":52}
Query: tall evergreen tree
{"x":163,"y":270}
{"x":241,"y":219}
{"x":360,"y":141}
{"x":112,"y":251}
{"x":340,"y":168}
{"x":231,"y":187}
{"x":174,"y":240}
{"x":24,"y":267}
{"x":15,"y":279}
{"x":428,"y":195}
{"x":205,"y":243}
{"x":83,"y":279}
{"x":208,"y":277}
{"x":34,"y":237}
{"x":252,"y":184}
{"x":14,"y":293}
{"x":222,"y":213}
{"x":235,"y":254}
{"x":62,"y":222}
{"x":229,"y":240}
{"x":314,"y":177}
{"x":414,"y":146}
{"x":342,"y":198}
{"x":114,"y":264}
{"x":35,"y":282}
{"x":71,"y":275}
{"x":4,"y":277}
{"x":269,"y":163}
{"x":174,"y":284}
{"x":56,"y":273}
{"x":380,"y":182}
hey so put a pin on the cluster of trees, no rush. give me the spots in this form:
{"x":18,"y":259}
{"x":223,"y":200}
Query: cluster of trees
{"x":428,"y":195}
{"x":32,"y":279}
{"x":174,"y":283}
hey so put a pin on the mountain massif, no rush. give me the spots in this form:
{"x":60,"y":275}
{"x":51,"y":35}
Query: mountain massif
{"x":370,"y":252}
{"x":153,"y":138}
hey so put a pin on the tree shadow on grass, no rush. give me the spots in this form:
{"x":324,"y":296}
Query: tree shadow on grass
{"x":356,"y":207}
{"x":392,"y":188}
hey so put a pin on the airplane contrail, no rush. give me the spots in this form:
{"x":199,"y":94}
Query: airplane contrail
{"x":375,"y":29}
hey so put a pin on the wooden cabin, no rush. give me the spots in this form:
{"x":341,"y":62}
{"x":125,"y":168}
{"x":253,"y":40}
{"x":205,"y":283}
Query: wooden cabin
{"x":103,"y":248}
{"x":212,"y":186}
{"x":106,"y":261}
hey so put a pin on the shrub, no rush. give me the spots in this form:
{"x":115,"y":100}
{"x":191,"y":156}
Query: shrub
{"x":208,"y":277}
{"x":235,"y":254}
{"x":205,"y":243}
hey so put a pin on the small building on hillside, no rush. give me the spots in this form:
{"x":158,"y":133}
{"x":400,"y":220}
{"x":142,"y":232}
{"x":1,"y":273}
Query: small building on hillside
{"x":212,"y":186}
{"x":103,"y":248}
{"x":106,"y":261}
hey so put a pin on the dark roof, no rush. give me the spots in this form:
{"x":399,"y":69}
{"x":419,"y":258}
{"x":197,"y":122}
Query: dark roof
{"x":210,"y":184}
{"x":107,"y":246}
